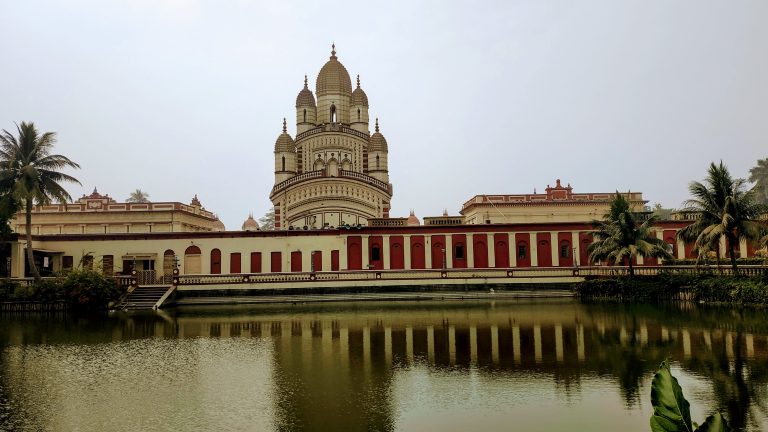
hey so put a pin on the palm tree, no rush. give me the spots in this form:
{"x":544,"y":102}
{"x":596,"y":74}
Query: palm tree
{"x":30,"y":173}
{"x":759,"y":176}
{"x":138,"y":196}
{"x":619,"y":236}
{"x":725,"y":208}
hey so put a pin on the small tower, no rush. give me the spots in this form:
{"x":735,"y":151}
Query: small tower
{"x":333,"y":89}
{"x":377,"y":156}
{"x":285,"y":156}
{"x":358,"y":114}
{"x":306,"y":110}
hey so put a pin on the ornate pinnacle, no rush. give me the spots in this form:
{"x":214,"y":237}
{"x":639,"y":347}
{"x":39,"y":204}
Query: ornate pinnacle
{"x":377,"y":124}
{"x":305,"y":81}
{"x":285,"y":126}
{"x":333,"y":50}
{"x":358,"y":80}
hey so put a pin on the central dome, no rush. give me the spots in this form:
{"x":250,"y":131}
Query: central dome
{"x":333,"y":77}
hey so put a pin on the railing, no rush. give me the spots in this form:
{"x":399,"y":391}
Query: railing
{"x":388,"y":222}
{"x":443,"y":274}
{"x":332,"y":127}
{"x":322,"y":174}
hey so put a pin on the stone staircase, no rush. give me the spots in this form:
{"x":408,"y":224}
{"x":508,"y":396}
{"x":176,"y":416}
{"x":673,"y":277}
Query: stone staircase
{"x":144,"y":297}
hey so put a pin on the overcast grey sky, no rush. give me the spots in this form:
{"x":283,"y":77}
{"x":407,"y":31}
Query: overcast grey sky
{"x":184,"y":97}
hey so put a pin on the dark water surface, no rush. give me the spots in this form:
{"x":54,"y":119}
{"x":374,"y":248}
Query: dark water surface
{"x":415,"y":366}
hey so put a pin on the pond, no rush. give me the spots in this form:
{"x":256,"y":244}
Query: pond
{"x":545,"y":365}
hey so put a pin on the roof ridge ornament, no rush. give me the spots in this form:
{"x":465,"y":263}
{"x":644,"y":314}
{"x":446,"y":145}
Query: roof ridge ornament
{"x":377,"y":124}
{"x":285,"y":126}
{"x":305,"y":82}
{"x":358,"y":80}
{"x":333,"y":51}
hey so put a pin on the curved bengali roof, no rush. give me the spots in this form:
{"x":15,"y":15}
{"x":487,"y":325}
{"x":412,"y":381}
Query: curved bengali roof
{"x":284,"y":142}
{"x":378,"y":142}
{"x":333,"y":77}
{"x":358,"y":96}
{"x":305,"y":97}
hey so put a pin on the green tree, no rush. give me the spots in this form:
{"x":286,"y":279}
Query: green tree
{"x":619,"y":237}
{"x":138,"y":196}
{"x":759,"y":176}
{"x":267,"y":222}
{"x":724,"y":209}
{"x":31,"y":174}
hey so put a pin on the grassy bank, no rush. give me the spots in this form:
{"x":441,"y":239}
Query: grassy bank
{"x":707,"y":287}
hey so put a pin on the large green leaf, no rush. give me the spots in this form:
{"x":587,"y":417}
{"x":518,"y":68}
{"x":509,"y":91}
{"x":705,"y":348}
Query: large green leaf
{"x":671,"y":412}
{"x":714,"y":423}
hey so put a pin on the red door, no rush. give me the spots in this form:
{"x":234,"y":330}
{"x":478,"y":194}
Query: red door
{"x":585,"y":239}
{"x":438,"y":251}
{"x":375,"y":252}
{"x":354,"y":253}
{"x":523,"y":249}
{"x":417,"y":252}
{"x":565,"y":249}
{"x":296,"y":261}
{"x":215,"y":261}
{"x":255,"y":262}
{"x":234,"y":262}
{"x":501,"y":250}
{"x":480,"y":250}
{"x":459,"y":258}
{"x":335,"y":260}
{"x":317,"y":261}
{"x":544,"y":249}
{"x":277,"y":262}
{"x":396,"y":253}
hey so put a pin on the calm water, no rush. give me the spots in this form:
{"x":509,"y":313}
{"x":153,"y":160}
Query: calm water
{"x":437,"y":366}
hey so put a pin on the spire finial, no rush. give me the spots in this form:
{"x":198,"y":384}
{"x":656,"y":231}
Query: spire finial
{"x":333,"y":50}
{"x":305,"y":81}
{"x":358,"y":80}
{"x":285,"y":126}
{"x":377,"y":124}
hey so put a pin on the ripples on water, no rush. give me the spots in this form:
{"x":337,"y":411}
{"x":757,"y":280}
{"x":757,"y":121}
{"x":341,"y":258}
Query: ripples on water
{"x":480,"y":366}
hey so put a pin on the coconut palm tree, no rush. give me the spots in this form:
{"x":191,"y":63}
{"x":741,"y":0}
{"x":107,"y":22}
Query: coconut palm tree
{"x":759,"y":176}
{"x":138,"y":196}
{"x":31,"y":174}
{"x":619,"y":237}
{"x":724,"y":209}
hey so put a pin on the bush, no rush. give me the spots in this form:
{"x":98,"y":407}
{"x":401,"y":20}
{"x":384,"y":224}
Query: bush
{"x":89,"y":290}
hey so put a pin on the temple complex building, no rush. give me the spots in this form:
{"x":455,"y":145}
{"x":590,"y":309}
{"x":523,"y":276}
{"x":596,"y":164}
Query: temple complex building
{"x":556,"y":204}
{"x":101,"y":214}
{"x":335,"y":172}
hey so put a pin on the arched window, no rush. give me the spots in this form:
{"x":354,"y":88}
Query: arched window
{"x":565,"y":249}
{"x":283,"y":163}
{"x":377,"y":161}
{"x":522,"y":250}
{"x":305,"y":116}
{"x":333,"y":113}
{"x":358,"y":114}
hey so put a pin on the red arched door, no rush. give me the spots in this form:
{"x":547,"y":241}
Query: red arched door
{"x":215,"y":261}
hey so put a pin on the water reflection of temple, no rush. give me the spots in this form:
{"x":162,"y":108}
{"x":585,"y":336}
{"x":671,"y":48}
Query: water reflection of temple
{"x":521,"y":337}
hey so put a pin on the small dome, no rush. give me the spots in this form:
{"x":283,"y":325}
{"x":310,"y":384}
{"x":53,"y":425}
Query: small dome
{"x":333,"y":77}
{"x":413,"y":220}
{"x":250,"y":224}
{"x":284,"y":142}
{"x":305,"y":97}
{"x":378,"y":142}
{"x":358,"y":96}
{"x":218,"y":225}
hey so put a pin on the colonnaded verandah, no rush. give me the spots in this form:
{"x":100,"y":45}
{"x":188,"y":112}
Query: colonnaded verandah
{"x":334,"y":172}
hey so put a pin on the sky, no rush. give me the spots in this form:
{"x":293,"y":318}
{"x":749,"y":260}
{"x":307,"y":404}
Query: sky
{"x":185,"y":97}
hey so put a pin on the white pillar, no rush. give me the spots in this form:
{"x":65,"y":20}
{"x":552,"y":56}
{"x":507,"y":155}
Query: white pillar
{"x":342,"y":255}
{"x":686,"y":344}
{"x":388,"y":345}
{"x":431,"y":344}
{"x":473,"y":344}
{"x":576,"y":249}
{"x":409,"y":344}
{"x":366,"y":251}
{"x":555,"y":249}
{"x":533,"y":245}
{"x":385,"y":251}
{"x":452,"y":345}
{"x":407,"y":252}
{"x":516,"y":344}
{"x":580,"y":342}
{"x":537,"y":343}
{"x":491,"y":246}
{"x":511,"y":241}
{"x":448,"y":255}
{"x":427,"y":252}
{"x":469,"y":249}
{"x":559,"y":343}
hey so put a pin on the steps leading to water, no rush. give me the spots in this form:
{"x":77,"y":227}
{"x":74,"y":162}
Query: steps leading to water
{"x":144,"y":297}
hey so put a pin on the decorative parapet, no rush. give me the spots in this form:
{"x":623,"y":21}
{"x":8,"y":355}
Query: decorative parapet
{"x":121,"y":207}
{"x":444,"y":220}
{"x":388,"y":222}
